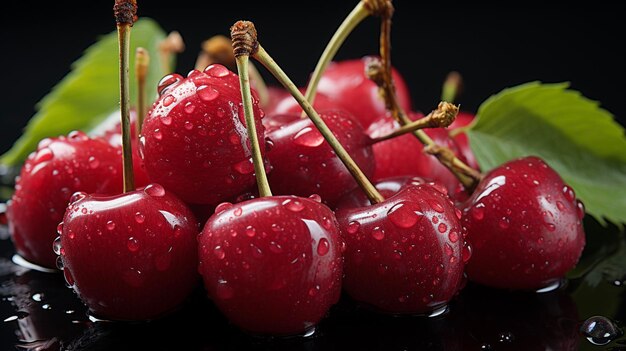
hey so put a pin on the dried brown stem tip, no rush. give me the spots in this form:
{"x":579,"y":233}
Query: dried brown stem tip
{"x":125,"y":11}
{"x":444,"y":115}
{"x":220,"y":50}
{"x":381,"y":8}
{"x":244,"y":38}
{"x":173,"y":43}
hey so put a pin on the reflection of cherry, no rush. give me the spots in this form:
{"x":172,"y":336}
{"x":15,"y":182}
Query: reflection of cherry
{"x":49,"y":177}
{"x":525,"y":226}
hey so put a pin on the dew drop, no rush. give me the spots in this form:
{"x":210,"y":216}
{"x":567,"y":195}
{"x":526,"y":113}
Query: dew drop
{"x":77,"y":197}
{"x":478,"y":211}
{"x":223,"y":207}
{"x":436,"y":205}
{"x":56,"y":245}
{"x":168,"y":100}
{"x":155,"y":190}
{"x":403,"y":216}
{"x":314,"y":290}
{"x":110,"y":225}
{"x":43,"y":155}
{"x":71,"y":235}
{"x":323,"y":247}
{"x":275,"y":247}
{"x":560,"y":205}
{"x":551,"y":227}
{"x":504,"y":222}
{"x":189,"y":107}
{"x":132,"y":244}
{"x":188,"y":125}
{"x":217,"y":70}
{"x":207,"y":93}
{"x":466,"y":252}
{"x":69,"y":279}
{"x":167,"y":82}
{"x":353,"y":227}
{"x":219,"y":252}
{"x":250,"y":231}
{"x":60,"y":228}
{"x":139,"y":217}
{"x":448,"y":249}
{"x":569,"y":193}
{"x":442,"y":228}
{"x":238,"y":211}
{"x":453,"y":236}
{"x":600,"y":330}
{"x":315,"y":198}
{"x":244,"y":167}
{"x":327,"y":223}
{"x":309,"y":137}
{"x":59,"y":263}
{"x":378,"y":233}
{"x":580,"y":209}
{"x":293,"y":205}
{"x":166,"y":120}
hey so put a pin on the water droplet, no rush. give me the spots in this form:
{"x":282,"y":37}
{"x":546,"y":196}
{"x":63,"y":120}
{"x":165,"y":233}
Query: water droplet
{"x":275,"y":247}
{"x":327,"y":223}
{"x":314,"y":290}
{"x":551,"y":227}
{"x":256,"y":252}
{"x":250,"y":231}
{"x":466,"y":252}
{"x":166,"y":120}
{"x":453,"y":236}
{"x":238,"y":211}
{"x":207,"y":93}
{"x":435,"y":219}
{"x":69,"y":279}
{"x":219,"y":252}
{"x":188,"y":125}
{"x":220,"y":112}
{"x":569,"y":193}
{"x":132,"y":244}
{"x":155,"y":190}
{"x":504,"y":222}
{"x":442,"y":228}
{"x":378,"y":233}
{"x":458,"y":213}
{"x":71,"y":235}
{"x":600,"y":330}
{"x":110,"y":225}
{"x":168,"y":100}
{"x":60,"y":228}
{"x":315,"y":198}
{"x":139,"y":217}
{"x":167,"y":82}
{"x":244,"y":167}
{"x":580,"y":209}
{"x":77,"y":197}
{"x":223,"y":207}
{"x":436,"y":205}
{"x":59,"y":263}
{"x":353,"y":227}
{"x":157,"y":134}
{"x":217,"y":70}
{"x":309,"y":137}
{"x":323,"y":247}
{"x":38,"y":297}
{"x":448,"y":249}
{"x":478,"y":211}
{"x":293,"y":205}
{"x":560,"y":205}
{"x":189,"y":107}
{"x":56,"y":245}
{"x":43,"y":155}
{"x":404,"y":215}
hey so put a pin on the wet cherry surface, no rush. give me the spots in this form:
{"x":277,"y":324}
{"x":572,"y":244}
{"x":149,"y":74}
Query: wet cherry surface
{"x":38,"y":312}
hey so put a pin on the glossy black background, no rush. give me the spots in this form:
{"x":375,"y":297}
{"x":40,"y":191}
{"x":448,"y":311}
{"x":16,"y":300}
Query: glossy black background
{"x":492,"y":45}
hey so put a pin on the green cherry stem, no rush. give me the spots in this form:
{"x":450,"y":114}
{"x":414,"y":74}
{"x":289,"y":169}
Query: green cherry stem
{"x":245,"y":43}
{"x":242,"y":59}
{"x":451,"y":87}
{"x":361,"y":11}
{"x":125,"y":14}
{"x":142,"y":62}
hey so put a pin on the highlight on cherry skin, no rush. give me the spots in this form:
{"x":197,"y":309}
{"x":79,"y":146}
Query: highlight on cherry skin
{"x":406,"y":254}
{"x":194,"y":139}
{"x":525,"y":225}
{"x":272,"y":265}
{"x":131,"y":256}
{"x":58,"y":168}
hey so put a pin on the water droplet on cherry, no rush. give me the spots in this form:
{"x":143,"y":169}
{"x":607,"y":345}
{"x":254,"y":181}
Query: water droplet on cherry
{"x":323,"y":247}
{"x":378,"y":233}
{"x":207,"y":93}
{"x":309,"y":137}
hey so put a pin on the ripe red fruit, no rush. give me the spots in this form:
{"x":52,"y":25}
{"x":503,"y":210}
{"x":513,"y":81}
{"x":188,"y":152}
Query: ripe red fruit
{"x":346,"y":84}
{"x":404,"y":155}
{"x":304,"y":163}
{"x":195,"y":141}
{"x":287,"y":105}
{"x":405,"y":254}
{"x":131,"y":256}
{"x":49,"y":177}
{"x":272,"y":265}
{"x":525,"y":226}
{"x":463,"y":119}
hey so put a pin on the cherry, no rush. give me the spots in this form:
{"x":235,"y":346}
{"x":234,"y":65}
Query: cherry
{"x":131,"y":256}
{"x":194,"y":138}
{"x":405,"y":254}
{"x":304,"y":164}
{"x":525,"y":226}
{"x":287,"y":105}
{"x":404,"y":155}
{"x":58,"y":168}
{"x":272,"y":265}
{"x":463,"y":119}
{"x":346,"y":83}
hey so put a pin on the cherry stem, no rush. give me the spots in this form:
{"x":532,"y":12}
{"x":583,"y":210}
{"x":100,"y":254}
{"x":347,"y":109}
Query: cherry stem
{"x":442,"y":117}
{"x":219,"y":49}
{"x":451,"y":87}
{"x":242,"y":60}
{"x":142,"y":62}
{"x":172,"y":44}
{"x":250,"y":45}
{"x":381,"y":73}
{"x":125,"y":15}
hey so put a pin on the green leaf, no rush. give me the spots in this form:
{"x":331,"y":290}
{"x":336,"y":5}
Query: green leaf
{"x":571,"y":133}
{"x":90,"y":92}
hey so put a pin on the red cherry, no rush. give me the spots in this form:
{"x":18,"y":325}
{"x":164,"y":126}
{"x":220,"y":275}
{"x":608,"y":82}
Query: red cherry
{"x":304,"y":163}
{"x":287,"y":105}
{"x":195,"y":141}
{"x":275,"y":96}
{"x":405,"y":254}
{"x":346,"y":83}
{"x":463,"y":119}
{"x":60,"y":167}
{"x":525,"y":226}
{"x":272,"y":265}
{"x":404,"y":155}
{"x":131,"y":256}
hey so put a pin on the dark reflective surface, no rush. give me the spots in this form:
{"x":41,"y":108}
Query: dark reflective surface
{"x":38,"y":312}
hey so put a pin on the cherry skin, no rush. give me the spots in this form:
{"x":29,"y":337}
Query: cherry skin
{"x":404,"y":155}
{"x":195,"y":141}
{"x":406,"y":254}
{"x":463,"y":119}
{"x":346,"y":83}
{"x":49,"y":177}
{"x":525,"y":226}
{"x":272,"y":265}
{"x":131,"y":256}
{"x":304,"y":163}
{"x":287,"y":105}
